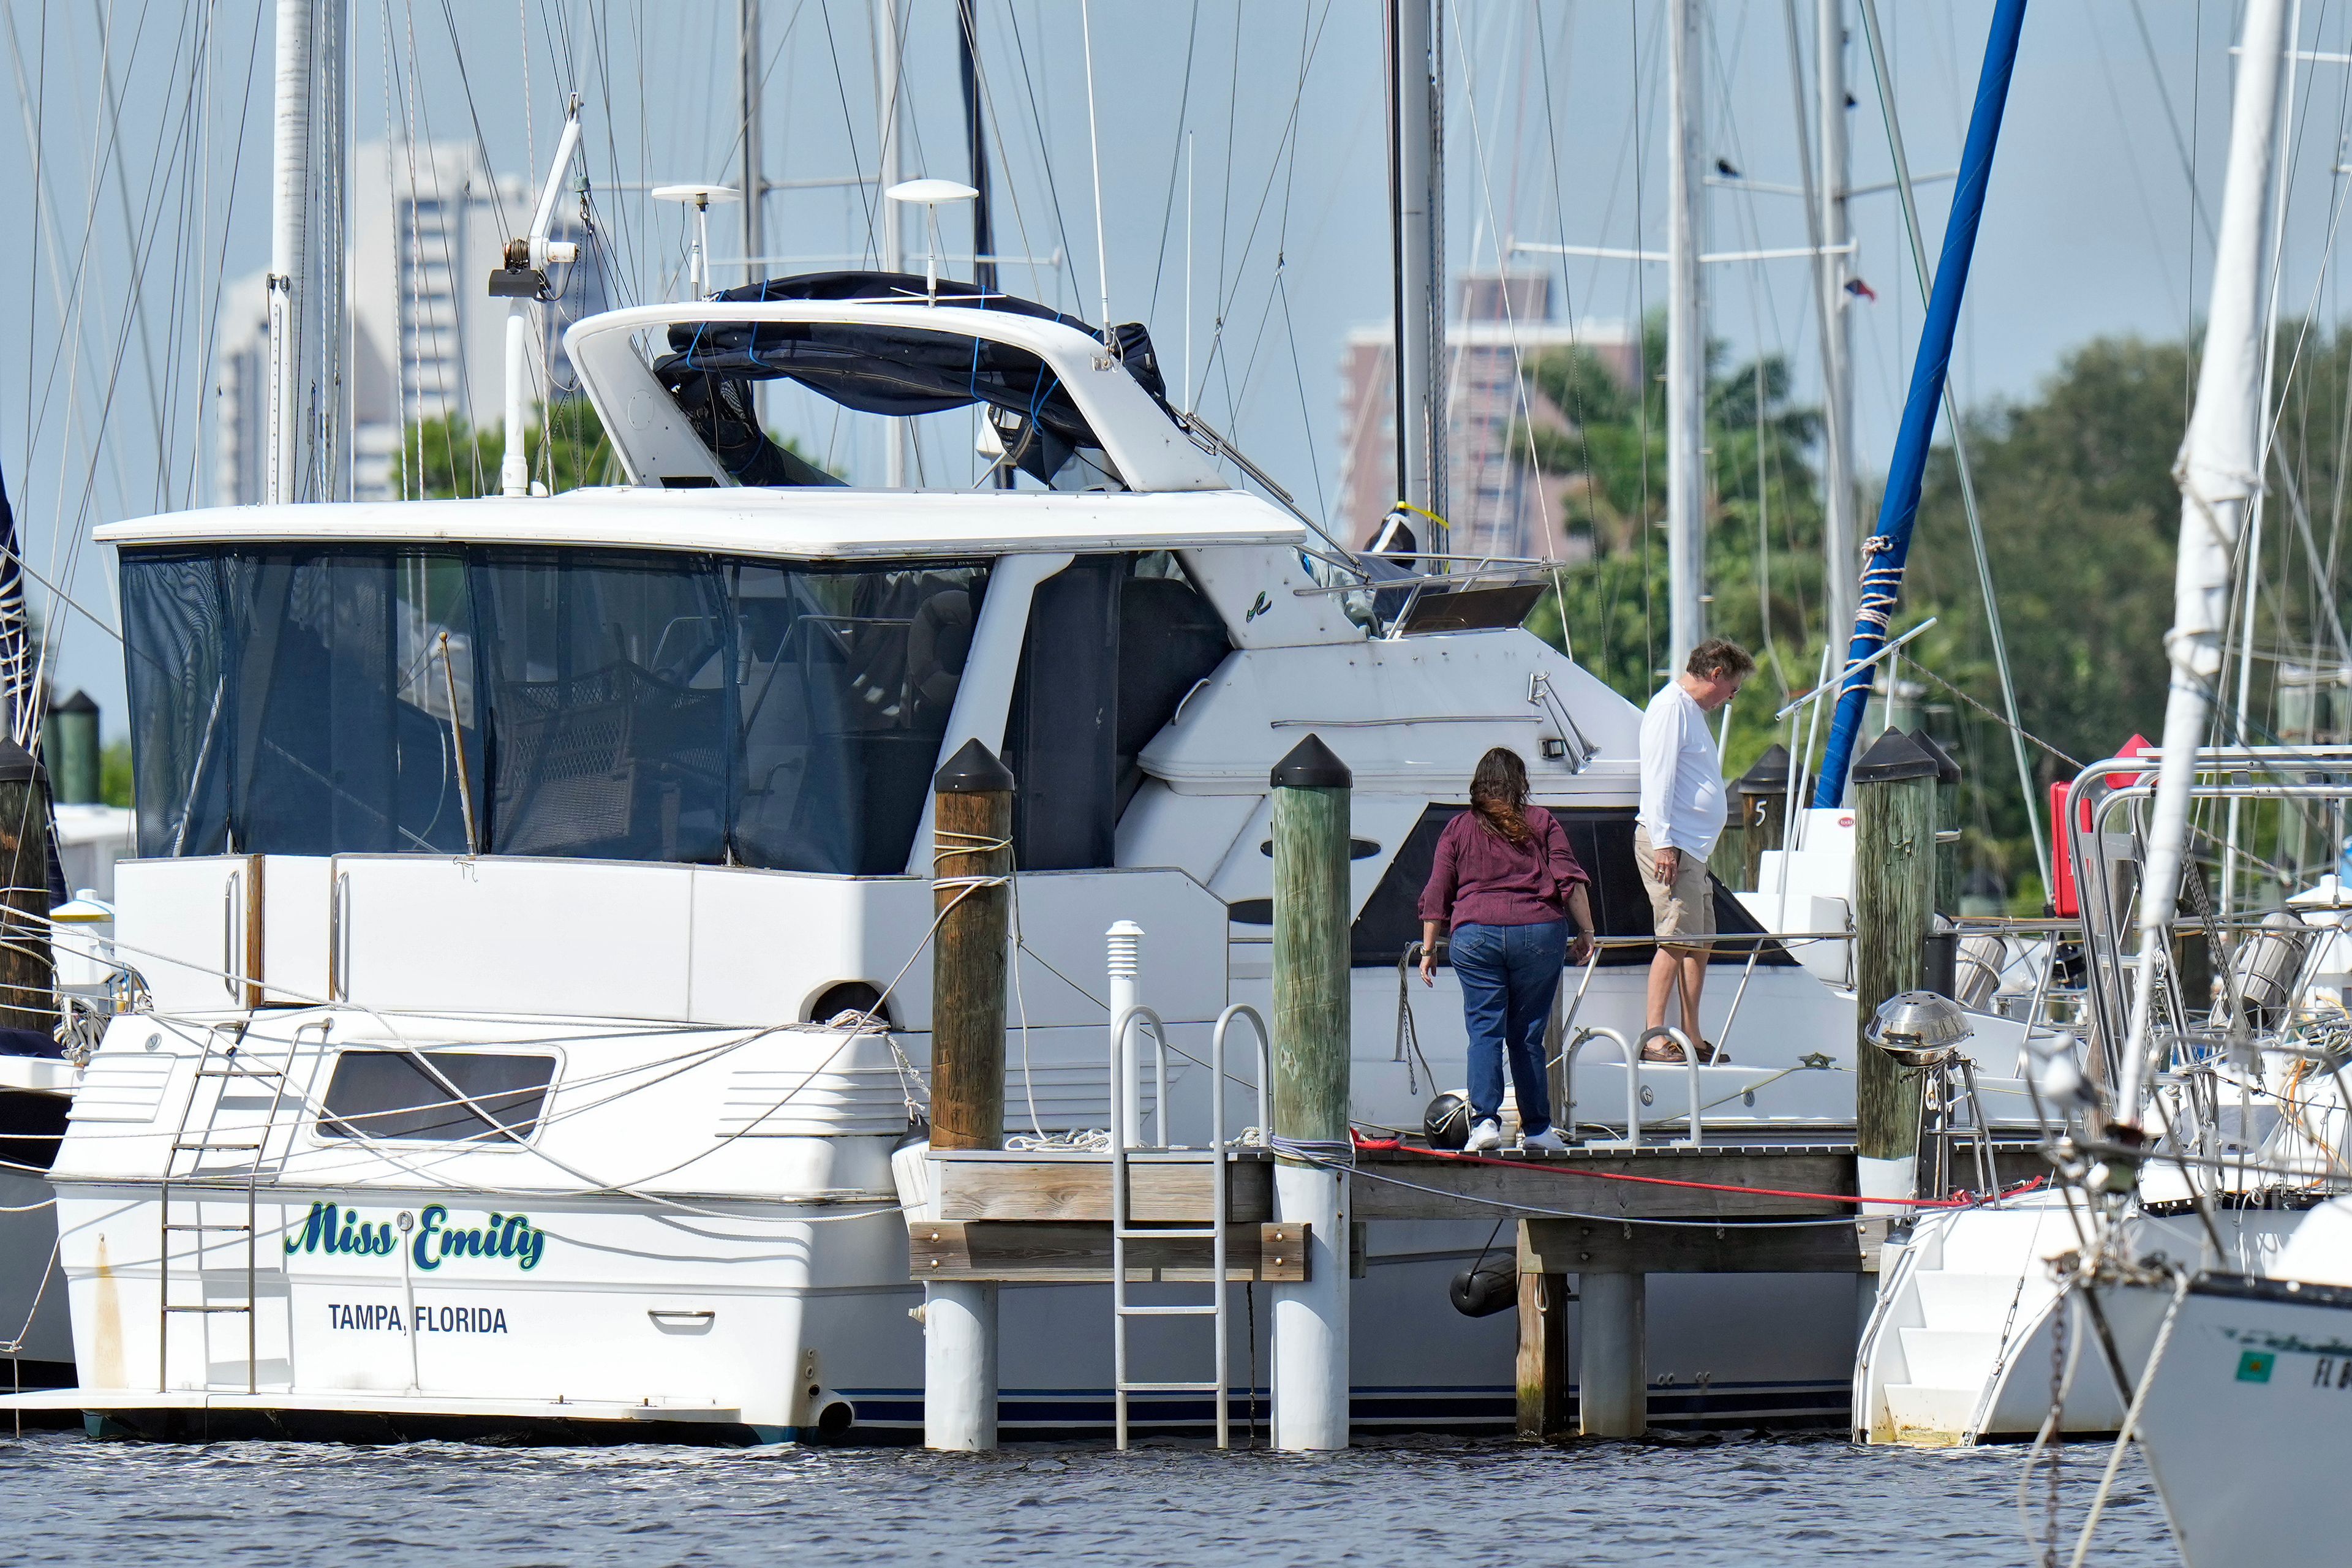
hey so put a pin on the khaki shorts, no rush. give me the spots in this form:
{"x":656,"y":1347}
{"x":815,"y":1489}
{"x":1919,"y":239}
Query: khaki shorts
{"x":1685,"y":907}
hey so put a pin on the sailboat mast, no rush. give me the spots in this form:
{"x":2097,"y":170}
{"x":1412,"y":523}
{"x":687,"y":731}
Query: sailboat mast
{"x":1414,"y":172}
{"x":1685,"y":344}
{"x":1842,"y":567}
{"x":749,"y":64}
{"x":887,"y":74}
{"x":2220,"y":476}
{"x":976,"y":137}
{"x":289,"y":195}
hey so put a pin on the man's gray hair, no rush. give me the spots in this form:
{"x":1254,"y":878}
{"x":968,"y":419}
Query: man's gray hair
{"x":1720,"y":658}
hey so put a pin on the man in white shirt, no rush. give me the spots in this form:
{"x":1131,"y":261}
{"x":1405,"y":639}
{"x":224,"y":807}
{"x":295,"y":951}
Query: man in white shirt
{"x":1681,"y":817}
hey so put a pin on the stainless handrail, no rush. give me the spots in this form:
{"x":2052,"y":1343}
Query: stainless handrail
{"x":1697,"y":1138}
{"x":1633,"y":1139}
{"x":1123,"y":1067}
{"x":1217,"y":1073}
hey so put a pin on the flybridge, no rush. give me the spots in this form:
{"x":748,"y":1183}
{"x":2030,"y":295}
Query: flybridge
{"x":1064,"y":407}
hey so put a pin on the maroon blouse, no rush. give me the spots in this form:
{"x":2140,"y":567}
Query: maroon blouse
{"x":1482,"y":877}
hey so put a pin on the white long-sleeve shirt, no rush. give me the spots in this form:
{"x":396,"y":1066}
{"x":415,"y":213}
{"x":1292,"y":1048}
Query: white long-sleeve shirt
{"x":1682,"y":775}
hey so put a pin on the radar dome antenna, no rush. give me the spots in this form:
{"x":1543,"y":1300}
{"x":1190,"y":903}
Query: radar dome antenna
{"x":702,"y":198}
{"x":929,"y":194}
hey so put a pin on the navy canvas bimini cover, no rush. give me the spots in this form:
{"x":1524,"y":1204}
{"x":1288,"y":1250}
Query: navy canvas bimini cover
{"x":895,"y":371}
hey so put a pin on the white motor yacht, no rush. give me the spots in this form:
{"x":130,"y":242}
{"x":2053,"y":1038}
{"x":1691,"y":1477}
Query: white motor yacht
{"x":530,"y":907}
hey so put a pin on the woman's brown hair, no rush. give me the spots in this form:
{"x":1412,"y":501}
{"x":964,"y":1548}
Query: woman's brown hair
{"x":1498,"y":792}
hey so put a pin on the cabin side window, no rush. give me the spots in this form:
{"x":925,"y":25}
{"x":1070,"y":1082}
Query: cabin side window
{"x":300,"y":701}
{"x":1114,"y":643}
{"x":616,"y":705}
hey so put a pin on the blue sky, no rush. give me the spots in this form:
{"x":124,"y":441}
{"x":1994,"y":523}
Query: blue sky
{"x":1555,"y":131}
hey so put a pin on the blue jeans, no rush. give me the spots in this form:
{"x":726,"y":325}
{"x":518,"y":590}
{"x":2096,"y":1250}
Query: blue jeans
{"x":1509,"y":976}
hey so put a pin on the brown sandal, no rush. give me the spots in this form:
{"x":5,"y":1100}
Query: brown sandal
{"x":1657,"y":1046}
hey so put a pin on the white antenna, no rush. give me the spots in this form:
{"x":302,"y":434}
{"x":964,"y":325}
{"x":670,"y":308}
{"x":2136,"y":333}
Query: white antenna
{"x":929,"y":194}
{"x":702,"y":198}
{"x":1188,"y":272}
{"x":1093,"y":143}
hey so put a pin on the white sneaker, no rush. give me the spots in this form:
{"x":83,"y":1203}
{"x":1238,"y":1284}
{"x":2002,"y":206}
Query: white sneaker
{"x":1487,"y":1135}
{"x":1548,"y":1141}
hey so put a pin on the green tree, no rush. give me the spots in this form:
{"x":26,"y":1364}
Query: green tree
{"x":566,"y":448}
{"x":114,"y":773}
{"x":1763,"y":522}
{"x":2080,"y":512}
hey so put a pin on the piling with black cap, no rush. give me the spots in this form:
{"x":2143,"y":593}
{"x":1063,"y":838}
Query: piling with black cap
{"x":28,"y":997}
{"x":1947,"y":820}
{"x":1312,"y":911}
{"x":973,"y":899}
{"x":1895,"y":878}
{"x":70,"y":746}
{"x":1760,"y":802}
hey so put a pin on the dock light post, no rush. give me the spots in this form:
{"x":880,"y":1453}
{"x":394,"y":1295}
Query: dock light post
{"x":971,"y":872}
{"x":1311,"y":911}
{"x":1895,"y":884}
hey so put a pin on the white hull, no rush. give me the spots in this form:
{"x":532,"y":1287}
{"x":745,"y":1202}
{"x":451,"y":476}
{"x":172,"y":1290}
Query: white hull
{"x":749,"y":1328}
{"x":1958,"y":1348}
{"x":2243,"y":1422}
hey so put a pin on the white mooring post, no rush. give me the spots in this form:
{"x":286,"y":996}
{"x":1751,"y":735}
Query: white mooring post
{"x":960,"y":1366}
{"x":1613,"y":1394}
{"x":1311,"y":909}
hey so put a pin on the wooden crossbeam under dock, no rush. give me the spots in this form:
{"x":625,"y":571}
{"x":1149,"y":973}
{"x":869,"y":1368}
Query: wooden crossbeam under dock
{"x":1064,"y":1252}
{"x":1408,"y":1183}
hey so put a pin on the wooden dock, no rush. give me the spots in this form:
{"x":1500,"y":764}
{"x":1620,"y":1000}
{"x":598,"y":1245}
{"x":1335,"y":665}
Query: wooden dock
{"x":1040,"y":1216}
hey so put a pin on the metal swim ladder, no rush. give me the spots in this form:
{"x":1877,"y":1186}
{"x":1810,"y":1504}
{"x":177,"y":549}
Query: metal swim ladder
{"x":224,"y":1066}
{"x":1215,"y":1158}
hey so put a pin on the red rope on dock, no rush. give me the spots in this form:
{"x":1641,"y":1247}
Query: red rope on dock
{"x":1964,"y":1201}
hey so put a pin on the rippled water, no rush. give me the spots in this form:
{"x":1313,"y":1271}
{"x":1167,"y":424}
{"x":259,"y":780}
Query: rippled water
{"x":1695,"y":1505}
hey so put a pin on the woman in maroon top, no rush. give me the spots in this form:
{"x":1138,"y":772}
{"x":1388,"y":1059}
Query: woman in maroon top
{"x":1504,"y":881}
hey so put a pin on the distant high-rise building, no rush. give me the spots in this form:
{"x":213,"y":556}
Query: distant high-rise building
{"x":1497,"y":504}
{"x":428,"y":227}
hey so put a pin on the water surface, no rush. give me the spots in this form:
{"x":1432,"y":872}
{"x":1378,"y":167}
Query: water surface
{"x":1445,"y":1504}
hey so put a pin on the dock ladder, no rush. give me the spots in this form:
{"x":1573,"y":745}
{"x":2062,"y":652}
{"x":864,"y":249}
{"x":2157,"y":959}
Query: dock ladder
{"x":1124,"y":1229}
{"x":187,"y":1164}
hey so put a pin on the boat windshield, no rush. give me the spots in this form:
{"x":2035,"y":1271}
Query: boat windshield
{"x":611,"y":705}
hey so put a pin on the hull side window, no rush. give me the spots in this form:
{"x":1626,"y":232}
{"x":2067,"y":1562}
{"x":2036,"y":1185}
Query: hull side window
{"x":436,"y":1097}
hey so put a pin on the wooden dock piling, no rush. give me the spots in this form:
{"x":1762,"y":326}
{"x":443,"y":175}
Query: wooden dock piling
{"x":1312,"y":907}
{"x":972,"y":833}
{"x":1894,"y":880}
{"x":1763,"y":796}
{"x":28,"y":999}
{"x":1543,"y":1343}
